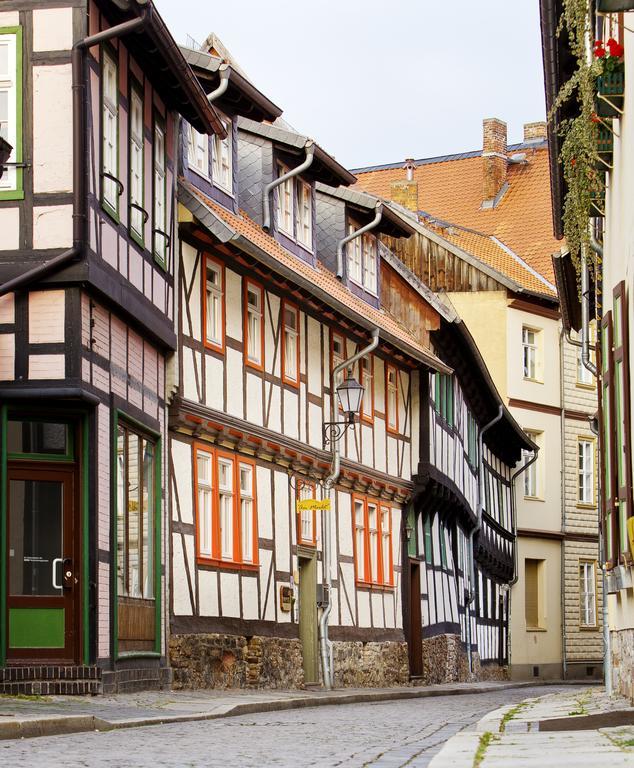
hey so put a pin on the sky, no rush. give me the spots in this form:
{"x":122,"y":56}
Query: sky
{"x":376,"y":81}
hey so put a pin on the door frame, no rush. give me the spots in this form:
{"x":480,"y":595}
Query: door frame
{"x":415,"y":628}
{"x":79,"y":420}
{"x":307,"y":559}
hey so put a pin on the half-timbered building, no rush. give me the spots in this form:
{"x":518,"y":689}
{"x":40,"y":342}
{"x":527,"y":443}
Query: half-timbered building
{"x":88,"y":239}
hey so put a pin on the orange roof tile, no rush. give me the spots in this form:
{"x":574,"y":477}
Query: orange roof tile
{"x":319,"y":276}
{"x":450,"y":189}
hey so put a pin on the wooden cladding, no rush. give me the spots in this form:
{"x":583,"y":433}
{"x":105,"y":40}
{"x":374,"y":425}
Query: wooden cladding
{"x":406,"y":305}
{"x":136,"y":622}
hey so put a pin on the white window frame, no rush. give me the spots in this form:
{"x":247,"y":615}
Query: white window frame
{"x":531,"y":475}
{"x":222,"y":160}
{"x":137,"y":176}
{"x":354,"y":252}
{"x":198,"y":152}
{"x":9,"y":85}
{"x":291,"y":343}
{"x":585,"y":471}
{"x":307,"y":517}
{"x":305,"y":214}
{"x":226,"y":493}
{"x":386,"y":535}
{"x":391,"y":397}
{"x":530,"y":352}
{"x":110,"y":130}
{"x":370,"y":256}
{"x":587,"y":594}
{"x":285,"y":203}
{"x":204,"y":490}
{"x":247,"y":513}
{"x":254,"y":324}
{"x":373,"y":540}
{"x":160,"y":196}
{"x":359,"y":538}
{"x":214,"y":300}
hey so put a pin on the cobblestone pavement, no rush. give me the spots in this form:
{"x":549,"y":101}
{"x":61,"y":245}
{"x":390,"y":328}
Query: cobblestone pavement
{"x":381,"y":735}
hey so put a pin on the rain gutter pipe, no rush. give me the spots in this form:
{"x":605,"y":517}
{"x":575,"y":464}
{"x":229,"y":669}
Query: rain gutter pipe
{"x":224,"y":72}
{"x":329,"y":483}
{"x":342,"y":243}
{"x":476,"y":528}
{"x":79,"y":155}
{"x":266,"y":197}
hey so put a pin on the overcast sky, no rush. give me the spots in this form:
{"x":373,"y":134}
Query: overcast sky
{"x":378,"y":81}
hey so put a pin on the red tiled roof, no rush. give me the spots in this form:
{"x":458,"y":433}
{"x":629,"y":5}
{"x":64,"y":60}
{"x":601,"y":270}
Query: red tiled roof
{"x":451,"y":190}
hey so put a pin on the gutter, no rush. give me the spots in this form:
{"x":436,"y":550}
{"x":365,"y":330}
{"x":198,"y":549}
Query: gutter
{"x":79,"y":156}
{"x":266,"y":195}
{"x":329,"y":483}
{"x":476,"y":528}
{"x":358,"y":233}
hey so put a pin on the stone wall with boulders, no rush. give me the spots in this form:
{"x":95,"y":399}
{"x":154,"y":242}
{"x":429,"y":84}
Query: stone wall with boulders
{"x":623,"y":662}
{"x":445,"y":660}
{"x":370,"y":665}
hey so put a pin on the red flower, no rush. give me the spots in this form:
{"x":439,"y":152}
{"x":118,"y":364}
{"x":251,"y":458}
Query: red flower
{"x":615,"y":48}
{"x":595,"y":118}
{"x":573,"y":162}
{"x":599,"y":50}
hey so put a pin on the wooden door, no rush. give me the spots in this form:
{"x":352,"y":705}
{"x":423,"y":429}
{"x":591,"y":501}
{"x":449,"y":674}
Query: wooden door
{"x":415,"y":638}
{"x":308,"y":618}
{"x":42,"y":620}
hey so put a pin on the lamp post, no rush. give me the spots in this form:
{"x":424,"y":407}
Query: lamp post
{"x":350,"y":396}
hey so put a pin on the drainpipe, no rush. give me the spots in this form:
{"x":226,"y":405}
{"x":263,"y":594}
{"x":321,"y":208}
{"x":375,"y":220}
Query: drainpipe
{"x":562,"y":481}
{"x":342,"y":243}
{"x":223,"y":70}
{"x":79,"y":155}
{"x":585,"y":308}
{"x":329,"y":482}
{"x":266,"y":197}
{"x":475,"y":529}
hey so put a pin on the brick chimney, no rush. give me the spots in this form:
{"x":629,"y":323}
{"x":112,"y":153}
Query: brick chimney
{"x":535,"y":132}
{"x":405,"y":192}
{"x":494,"y":157}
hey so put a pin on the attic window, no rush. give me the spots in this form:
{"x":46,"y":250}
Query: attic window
{"x":222,"y":164}
{"x":362,"y":259}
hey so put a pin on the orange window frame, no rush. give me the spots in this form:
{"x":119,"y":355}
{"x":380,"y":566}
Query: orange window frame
{"x":295,"y":309}
{"x":381,"y":579}
{"x":300,"y":539}
{"x":393,"y":429}
{"x":217,"y":347}
{"x":216,"y":559}
{"x":249,"y":283}
{"x":367,"y":413}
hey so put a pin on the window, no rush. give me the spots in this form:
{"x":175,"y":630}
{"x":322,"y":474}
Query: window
{"x":254,"y":325}
{"x":472,"y":440}
{"x":587,"y":594}
{"x":428,"y":547}
{"x":160,"y":235}
{"x":529,"y":352}
{"x":391,"y":398}
{"x":362,"y":259}
{"x":585,"y":467}
{"x":531,"y":485}
{"x":290,"y":343}
{"x":443,"y":544}
{"x":608,"y":451}
{"x":307,"y":518}
{"x":337,"y":351}
{"x":533,"y":593}
{"x":11,"y":107}
{"x":372,"y":541}
{"x":214,"y":305}
{"x":621,"y":405}
{"x":135,"y":473}
{"x":198,"y":152}
{"x":444,"y":397}
{"x":304,"y":214}
{"x":136,"y":164}
{"x":226,"y":515}
{"x":366,"y":366}
{"x":285,"y":202}
{"x":110,"y":136}
{"x":222,"y":168}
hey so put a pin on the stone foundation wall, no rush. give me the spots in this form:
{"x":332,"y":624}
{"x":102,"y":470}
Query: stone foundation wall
{"x":623,"y":662}
{"x":445,"y":660}
{"x":370,"y":665}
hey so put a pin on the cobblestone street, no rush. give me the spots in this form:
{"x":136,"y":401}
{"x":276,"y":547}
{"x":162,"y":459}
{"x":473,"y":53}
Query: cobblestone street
{"x":389,"y":734}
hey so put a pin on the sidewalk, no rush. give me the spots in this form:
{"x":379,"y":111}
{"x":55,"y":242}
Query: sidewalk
{"x":23,"y":717}
{"x":580,"y":728}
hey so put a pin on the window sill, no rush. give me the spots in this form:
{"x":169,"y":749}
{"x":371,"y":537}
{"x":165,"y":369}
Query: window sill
{"x":227,"y":565}
{"x":536,"y":629}
{"x":251,"y":364}
{"x":533,"y":380}
{"x":364,"y":288}
{"x":392,"y":431}
{"x":110,"y":211}
{"x":371,"y":587}
{"x":581,"y":385}
{"x":534,"y":498}
{"x":214,"y":347}
{"x":589,"y":629}
{"x":586,"y":505}
{"x":200,"y":173}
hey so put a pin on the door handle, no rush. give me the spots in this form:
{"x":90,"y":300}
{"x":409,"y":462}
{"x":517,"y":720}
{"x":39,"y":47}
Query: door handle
{"x":67,"y":573}
{"x":55,"y":562}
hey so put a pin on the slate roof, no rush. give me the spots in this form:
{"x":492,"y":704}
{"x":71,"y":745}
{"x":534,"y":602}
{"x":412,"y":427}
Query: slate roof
{"x":450,"y":189}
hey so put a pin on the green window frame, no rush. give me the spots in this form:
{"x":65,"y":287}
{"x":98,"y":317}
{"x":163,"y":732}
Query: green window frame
{"x":160,"y":238}
{"x":472,"y":440}
{"x":111,"y":187}
{"x":443,"y":544}
{"x":12,"y":182}
{"x":608,"y":430}
{"x":427,"y":540}
{"x":444,"y":399}
{"x":26,"y":455}
{"x":137,"y":216}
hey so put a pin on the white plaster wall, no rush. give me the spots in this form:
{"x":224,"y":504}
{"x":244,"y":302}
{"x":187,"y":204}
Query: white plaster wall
{"x":52,"y":29}
{"x":9,"y":229}
{"x":52,"y":134}
{"x":46,"y":317}
{"x":52,"y":226}
{"x":545,"y":391}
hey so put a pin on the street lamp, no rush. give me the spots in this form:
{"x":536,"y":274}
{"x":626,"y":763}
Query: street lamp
{"x":350,"y":395}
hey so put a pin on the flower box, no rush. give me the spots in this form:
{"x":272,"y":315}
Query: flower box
{"x":610,"y":91}
{"x":613,"y":6}
{"x":605,"y":147}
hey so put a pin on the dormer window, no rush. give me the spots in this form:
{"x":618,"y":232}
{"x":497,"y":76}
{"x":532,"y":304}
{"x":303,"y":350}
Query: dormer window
{"x":222,"y":166}
{"x":362,"y":260}
{"x":304,"y":214}
{"x":285,"y":202}
{"x":198,"y":152}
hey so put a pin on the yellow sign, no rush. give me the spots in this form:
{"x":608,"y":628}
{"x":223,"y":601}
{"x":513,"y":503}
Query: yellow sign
{"x":630,"y":533}
{"x":313,"y":504}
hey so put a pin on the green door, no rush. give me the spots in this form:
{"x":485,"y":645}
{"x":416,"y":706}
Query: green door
{"x":42,"y":567}
{"x":308,"y":617}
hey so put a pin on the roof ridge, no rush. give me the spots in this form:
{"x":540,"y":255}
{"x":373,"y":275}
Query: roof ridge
{"x":521,"y":261}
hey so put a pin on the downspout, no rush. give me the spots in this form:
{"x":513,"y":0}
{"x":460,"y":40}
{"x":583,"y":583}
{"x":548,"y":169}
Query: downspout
{"x":329,"y":483}
{"x":79,"y":153}
{"x":562,"y":481}
{"x":224,"y":72}
{"x":475,"y":529}
{"x":361,"y":231}
{"x":585,"y":307}
{"x":266,"y":197}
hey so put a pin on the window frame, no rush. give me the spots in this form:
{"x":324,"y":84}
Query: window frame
{"x":15,"y":190}
{"x":609,"y":485}
{"x":247,"y":284}
{"x":359,"y":251}
{"x":215,"y":558}
{"x":584,"y":594}
{"x":591,"y":502}
{"x":300,"y":224}
{"x":381,"y":581}
{"x":135,"y":88}
{"x":216,"y":346}
{"x":535,"y":347}
{"x":286,"y":378}
{"x":367,"y":414}
{"x":445,"y":398}
{"x":111,"y":208}
{"x":159,"y":255}
{"x":334,"y":362}
{"x":533,"y":470}
{"x":540,"y":625}
{"x":393,"y":428}
{"x":217,"y":144}
{"x":621,"y":403}
{"x":582,"y":371}
{"x":192,"y":152}
{"x":302,"y":486}
{"x":282,"y":191}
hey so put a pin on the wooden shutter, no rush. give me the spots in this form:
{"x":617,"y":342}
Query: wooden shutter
{"x":531,"y":593}
{"x":608,"y":443}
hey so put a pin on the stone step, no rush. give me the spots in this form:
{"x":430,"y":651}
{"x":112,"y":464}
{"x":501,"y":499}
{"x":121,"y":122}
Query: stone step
{"x":50,"y":688}
{"x":49,"y":672}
